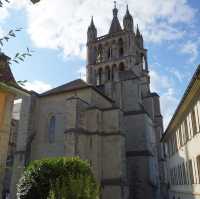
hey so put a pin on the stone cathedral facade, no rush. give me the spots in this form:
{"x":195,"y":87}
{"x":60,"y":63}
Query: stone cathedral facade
{"x":113,"y":120}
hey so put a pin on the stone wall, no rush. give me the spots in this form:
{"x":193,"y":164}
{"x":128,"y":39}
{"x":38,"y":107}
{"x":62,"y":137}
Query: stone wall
{"x":6,"y":103}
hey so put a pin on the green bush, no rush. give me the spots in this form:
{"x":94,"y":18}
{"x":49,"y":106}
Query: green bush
{"x":58,"y":178}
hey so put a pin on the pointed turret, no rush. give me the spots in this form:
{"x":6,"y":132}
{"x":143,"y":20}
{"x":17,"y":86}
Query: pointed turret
{"x":115,"y":25}
{"x":128,"y":21}
{"x":92,"y":31}
{"x":137,"y":32}
{"x":139,"y":38}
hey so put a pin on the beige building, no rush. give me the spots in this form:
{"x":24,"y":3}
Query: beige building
{"x":182,"y":139}
{"x":113,"y":120}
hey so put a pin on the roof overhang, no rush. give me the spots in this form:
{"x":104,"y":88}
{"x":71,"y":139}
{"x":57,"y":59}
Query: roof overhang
{"x":191,"y":91}
{"x":18,"y":92}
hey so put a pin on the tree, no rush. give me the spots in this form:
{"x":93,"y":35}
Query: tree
{"x":53,"y":178}
{"x":19,"y":57}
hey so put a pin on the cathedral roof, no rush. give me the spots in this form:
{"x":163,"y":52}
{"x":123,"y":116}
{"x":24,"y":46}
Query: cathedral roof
{"x":74,"y":85}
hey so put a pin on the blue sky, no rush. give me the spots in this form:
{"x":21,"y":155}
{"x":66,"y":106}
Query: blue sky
{"x":56,"y":31}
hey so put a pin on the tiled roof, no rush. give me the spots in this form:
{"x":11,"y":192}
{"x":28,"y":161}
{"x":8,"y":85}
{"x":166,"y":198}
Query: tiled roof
{"x":76,"y":84}
{"x":6,"y":75}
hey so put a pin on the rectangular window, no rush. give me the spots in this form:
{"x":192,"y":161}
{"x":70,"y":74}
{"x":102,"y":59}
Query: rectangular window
{"x":190,"y":126}
{"x":184,"y":173}
{"x":175,"y":143}
{"x":186,"y":130}
{"x":183,"y":133}
{"x":194,"y":124}
{"x":178,"y":138}
{"x":187,"y":172}
{"x":181,"y":136}
{"x":198,"y":167}
{"x":179,"y":175}
{"x":191,"y":172}
{"x":197,"y":115}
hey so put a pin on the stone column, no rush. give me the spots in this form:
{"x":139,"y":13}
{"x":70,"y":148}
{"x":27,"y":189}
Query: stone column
{"x":20,"y":156}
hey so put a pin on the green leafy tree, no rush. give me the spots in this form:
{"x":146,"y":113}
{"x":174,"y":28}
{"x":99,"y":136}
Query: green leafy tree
{"x":19,"y":56}
{"x":58,"y":178}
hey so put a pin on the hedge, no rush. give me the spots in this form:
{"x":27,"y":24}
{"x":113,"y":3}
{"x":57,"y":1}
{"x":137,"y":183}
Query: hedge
{"x":58,"y":178}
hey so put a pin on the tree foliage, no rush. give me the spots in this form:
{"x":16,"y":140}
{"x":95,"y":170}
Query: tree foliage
{"x":57,"y":178}
{"x":19,"y":56}
{"x":2,"y":1}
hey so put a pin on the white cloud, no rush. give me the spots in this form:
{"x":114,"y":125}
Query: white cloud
{"x":37,"y":86}
{"x":180,"y":75}
{"x":162,"y":85}
{"x":191,"y":48}
{"x":62,"y":24}
{"x":169,"y":103}
{"x":163,"y":31}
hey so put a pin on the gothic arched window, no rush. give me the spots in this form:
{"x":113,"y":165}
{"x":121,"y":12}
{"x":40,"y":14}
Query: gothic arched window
{"x":109,"y":52}
{"x":114,"y":70}
{"x":51,"y":129}
{"x":99,"y":54}
{"x":121,"y":67}
{"x":99,"y":77}
{"x":121,"y":47}
{"x":108,"y":73}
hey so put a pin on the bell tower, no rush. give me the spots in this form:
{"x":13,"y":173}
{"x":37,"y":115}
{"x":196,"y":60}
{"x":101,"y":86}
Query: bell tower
{"x":119,"y":51}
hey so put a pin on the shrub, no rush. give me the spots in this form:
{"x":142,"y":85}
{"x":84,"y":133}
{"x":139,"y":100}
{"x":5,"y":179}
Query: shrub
{"x":57,"y":178}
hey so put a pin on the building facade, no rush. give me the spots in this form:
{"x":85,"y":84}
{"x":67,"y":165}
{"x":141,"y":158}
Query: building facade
{"x":182,"y":140}
{"x":113,"y":120}
{"x":8,"y":92}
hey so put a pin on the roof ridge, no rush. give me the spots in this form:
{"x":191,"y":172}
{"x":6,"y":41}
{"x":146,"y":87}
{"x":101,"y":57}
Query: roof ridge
{"x":66,"y":87}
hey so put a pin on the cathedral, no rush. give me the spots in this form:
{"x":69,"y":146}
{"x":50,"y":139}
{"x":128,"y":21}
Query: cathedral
{"x":113,"y":120}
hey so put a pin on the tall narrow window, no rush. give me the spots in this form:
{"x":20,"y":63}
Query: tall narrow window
{"x":51,"y":129}
{"x":99,"y":54}
{"x":121,"y":48}
{"x":121,"y":67}
{"x":186,"y":130}
{"x":99,"y":80}
{"x":108,"y":73}
{"x":114,"y":67}
{"x":109,"y":53}
{"x":198,"y":167}
{"x":191,"y":172}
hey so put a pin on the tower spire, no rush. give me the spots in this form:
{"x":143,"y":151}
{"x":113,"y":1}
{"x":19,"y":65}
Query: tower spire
{"x":138,"y":31}
{"x":127,"y":10}
{"x":115,"y":10}
{"x":115,"y":4}
{"x":92,"y":21}
{"x":128,"y":20}
{"x":115,"y":25}
{"x":92,"y":31}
